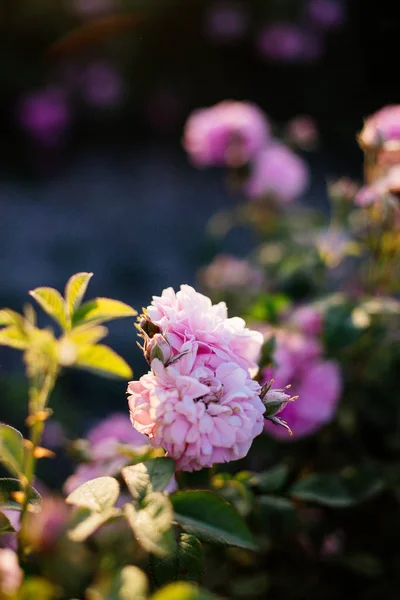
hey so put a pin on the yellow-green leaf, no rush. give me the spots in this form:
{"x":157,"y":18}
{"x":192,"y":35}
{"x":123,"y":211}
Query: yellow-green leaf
{"x":75,"y":290}
{"x":52,"y":303}
{"x":101,"y":359}
{"x":100,"y":310}
{"x":11,"y":449}
{"x":13,"y":337}
{"x":10,"y":317}
{"x":152,"y":524}
{"x":87,"y":334}
{"x":182,"y":591}
{"x":89,"y":522}
{"x":97,"y":495}
{"x":130,"y":584}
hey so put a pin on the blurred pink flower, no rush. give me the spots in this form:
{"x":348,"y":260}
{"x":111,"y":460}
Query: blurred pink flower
{"x":203,"y":407}
{"x":289,"y":43}
{"x":332,"y":544}
{"x":11,"y":574}
{"x":316,"y":382}
{"x":327,"y":14}
{"x":307,"y":319}
{"x":229,"y":133}
{"x":45,"y":115}
{"x":226,"y":21}
{"x":92,"y":8}
{"x":47,"y":526}
{"x":302,"y":131}
{"x":102,"y":85}
{"x":381,"y":127}
{"x":279,"y":172}
{"x":228,"y":273}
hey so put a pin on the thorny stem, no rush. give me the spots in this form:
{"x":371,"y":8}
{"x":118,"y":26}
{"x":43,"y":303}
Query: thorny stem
{"x":39,"y":396}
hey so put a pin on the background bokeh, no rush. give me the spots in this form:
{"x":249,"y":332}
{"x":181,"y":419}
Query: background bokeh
{"x":94,"y":95}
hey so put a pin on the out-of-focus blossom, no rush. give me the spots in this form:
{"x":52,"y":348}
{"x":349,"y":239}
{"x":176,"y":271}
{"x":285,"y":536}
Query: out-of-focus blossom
{"x":93,"y":8}
{"x":332,"y":544}
{"x":316,"y":382}
{"x":381,"y":127}
{"x":302,"y":131}
{"x":102,"y":85}
{"x":11,"y":574}
{"x":289,"y":43}
{"x":343,"y":189}
{"x":53,"y":435}
{"x":229,"y":133}
{"x":334,"y":244}
{"x":278,"y":172}
{"x":203,"y":407}
{"x":226,"y":21}
{"x":9,"y":540}
{"x":326,"y":14}
{"x":45,"y":115}
{"x":307,"y":319}
{"x":48,"y":525}
{"x":228,"y":273}
{"x":103,"y":452}
{"x":371,"y":194}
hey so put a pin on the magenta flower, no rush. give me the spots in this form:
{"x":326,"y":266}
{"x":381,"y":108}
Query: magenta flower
{"x":302,"y":131}
{"x":229,"y":133}
{"x":307,"y":319}
{"x":202,"y":405}
{"x":45,"y":115}
{"x":278,"y":172}
{"x":11,"y":574}
{"x":326,"y":14}
{"x":381,"y":127}
{"x":228,"y":273}
{"x":315,"y":381}
{"x":226,"y":21}
{"x":288,"y":43}
{"x":102,"y":85}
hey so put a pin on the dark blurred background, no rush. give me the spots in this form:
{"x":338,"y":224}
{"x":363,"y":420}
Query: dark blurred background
{"x":94,"y":95}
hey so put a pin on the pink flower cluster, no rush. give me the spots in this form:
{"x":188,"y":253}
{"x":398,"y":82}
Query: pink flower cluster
{"x":317,"y":382}
{"x":229,"y":273}
{"x":235,"y":134}
{"x":201,"y":405}
{"x":11,"y":574}
{"x":382,"y":127}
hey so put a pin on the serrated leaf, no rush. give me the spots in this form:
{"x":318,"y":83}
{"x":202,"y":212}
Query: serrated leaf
{"x":97,"y":495}
{"x":5,"y":525}
{"x":101,"y":310}
{"x":130,"y":584}
{"x":339,"y":491}
{"x":75,"y":290}
{"x":182,"y":591}
{"x":89,"y":522}
{"x":211,"y":518}
{"x":150,"y":476}
{"x":14,"y":338}
{"x":152,"y":524}
{"x":11,"y":449}
{"x":186,"y":564}
{"x":52,"y":303}
{"x":104,"y":361}
{"x":9,"y":492}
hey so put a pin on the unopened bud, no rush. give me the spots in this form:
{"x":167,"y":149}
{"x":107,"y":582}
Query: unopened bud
{"x":148,"y":327}
{"x":157,"y":347}
{"x":275,"y":401}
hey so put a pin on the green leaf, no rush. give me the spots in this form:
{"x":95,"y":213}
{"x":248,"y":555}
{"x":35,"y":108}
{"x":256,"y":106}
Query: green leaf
{"x":97,"y":495}
{"x":89,"y":522}
{"x":14,"y":338}
{"x":5,"y":525}
{"x":75,"y":290}
{"x":11,"y":449}
{"x":339,"y":491}
{"x":149,"y":476}
{"x":130,"y":584}
{"x":100,"y":310}
{"x":271,"y":480}
{"x":211,"y":518}
{"x":104,"y":361}
{"x":152,"y":524}
{"x":35,"y":588}
{"x":182,"y":591}
{"x":278,"y":516}
{"x":186,"y":564}
{"x":8,"y":501}
{"x":52,"y":303}
{"x":235,"y":491}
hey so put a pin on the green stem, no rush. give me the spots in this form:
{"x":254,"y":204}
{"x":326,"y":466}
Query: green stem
{"x":37,"y":404}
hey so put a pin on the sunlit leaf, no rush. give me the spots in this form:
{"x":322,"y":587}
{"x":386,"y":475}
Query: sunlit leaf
{"x":85,"y":335}
{"x":149,"y":476}
{"x":14,"y":338}
{"x":52,"y":303}
{"x":10,"y":317}
{"x":130,"y":584}
{"x":101,"y":310}
{"x":211,"y":518}
{"x":11,"y":449}
{"x":75,"y":290}
{"x":98,"y":494}
{"x":182,"y":591}
{"x":89,"y":522}
{"x":103,"y":360}
{"x":186,"y":564}
{"x":152,"y":524}
{"x":10,"y":492}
